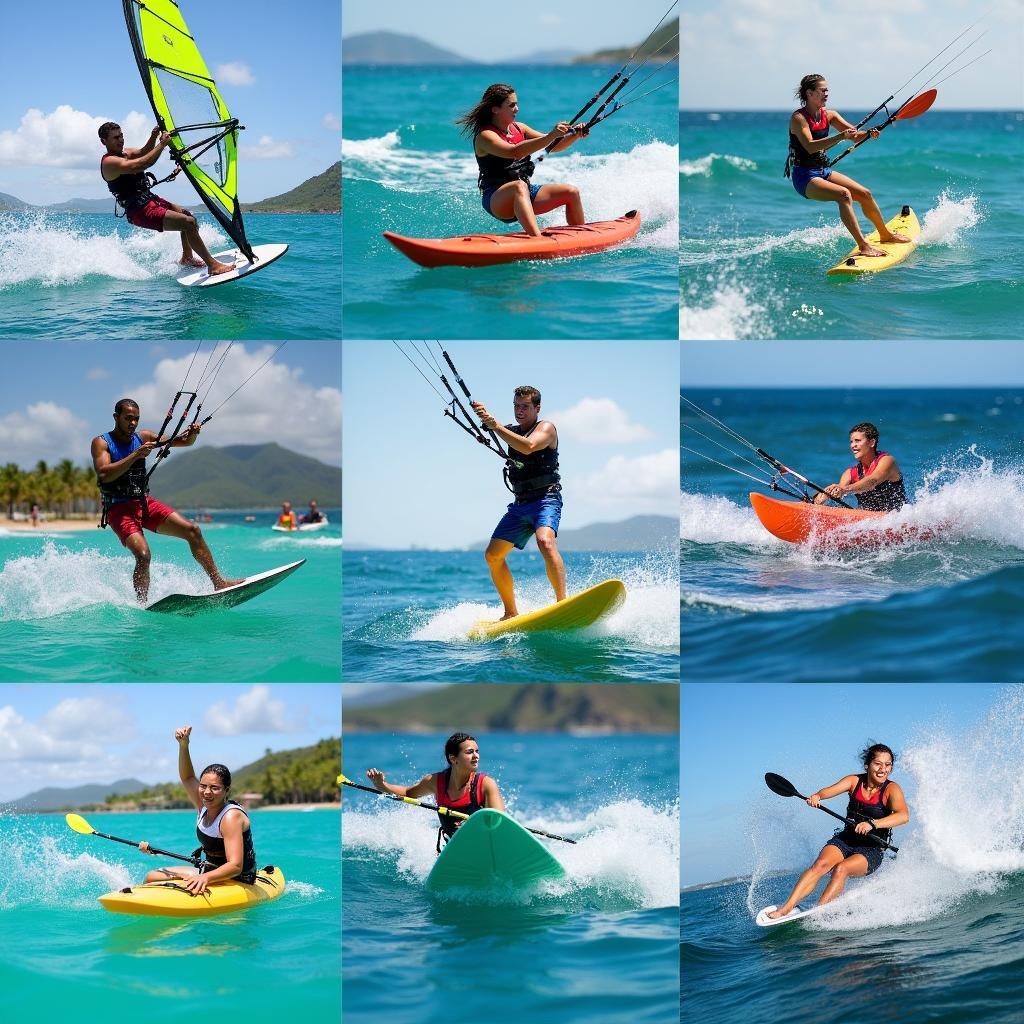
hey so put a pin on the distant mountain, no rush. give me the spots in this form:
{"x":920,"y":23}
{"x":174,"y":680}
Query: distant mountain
{"x":546,"y":57}
{"x":54,"y":799}
{"x":9,"y":202}
{"x":666,"y":36}
{"x":394,"y":48}
{"x":320,"y":194}
{"x":639,"y":533}
{"x":245,"y":476}
{"x":530,"y":707}
{"x":83,"y":206}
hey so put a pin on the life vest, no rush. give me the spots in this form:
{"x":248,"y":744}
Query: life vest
{"x":469,"y":803}
{"x":799,"y":156}
{"x":130,"y":486}
{"x":888,"y":496}
{"x":860,"y":808}
{"x":496,"y":171}
{"x":530,"y":477}
{"x":130,"y":190}
{"x":211,"y":841}
{"x":287,"y":520}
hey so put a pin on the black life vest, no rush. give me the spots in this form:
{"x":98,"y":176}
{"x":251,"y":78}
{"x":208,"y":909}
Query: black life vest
{"x":212,"y":843}
{"x":496,"y":171}
{"x":799,"y":156}
{"x":130,"y":190}
{"x":860,"y":808}
{"x":888,"y":496}
{"x":530,"y":477}
{"x":130,"y":486}
{"x":469,"y":803}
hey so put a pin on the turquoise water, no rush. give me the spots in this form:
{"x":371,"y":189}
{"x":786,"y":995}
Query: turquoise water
{"x":754,"y":607}
{"x":408,"y":613}
{"x":597,"y":947}
{"x":93,"y":276}
{"x":407,"y":169}
{"x":63,"y":949}
{"x":68,"y":608}
{"x":754,"y":253}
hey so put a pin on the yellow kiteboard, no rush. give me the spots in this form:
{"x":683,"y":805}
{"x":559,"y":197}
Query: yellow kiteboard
{"x":574,"y":612}
{"x":905,"y":223}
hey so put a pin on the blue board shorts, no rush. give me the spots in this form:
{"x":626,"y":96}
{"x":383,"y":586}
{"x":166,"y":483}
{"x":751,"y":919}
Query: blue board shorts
{"x":874,"y":855}
{"x":801,"y":177}
{"x":486,"y":200}
{"x":523,"y":519}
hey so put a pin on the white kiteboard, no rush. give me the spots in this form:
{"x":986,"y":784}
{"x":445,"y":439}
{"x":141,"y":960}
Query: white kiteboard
{"x":801,"y":910}
{"x":265,"y":255}
{"x":250,"y":587}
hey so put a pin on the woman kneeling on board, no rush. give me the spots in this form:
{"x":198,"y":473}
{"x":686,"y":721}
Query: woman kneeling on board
{"x":878,"y":805}
{"x":460,"y":787}
{"x":809,"y":168}
{"x":503,"y":148}
{"x":222,"y":826}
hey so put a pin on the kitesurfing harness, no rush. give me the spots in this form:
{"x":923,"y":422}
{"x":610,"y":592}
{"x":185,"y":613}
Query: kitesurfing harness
{"x":130,"y":191}
{"x":534,"y":475}
{"x":496,"y":171}
{"x":132,"y":485}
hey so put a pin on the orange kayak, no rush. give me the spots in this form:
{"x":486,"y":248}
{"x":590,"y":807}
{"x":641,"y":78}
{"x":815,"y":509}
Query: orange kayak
{"x":485,"y":250}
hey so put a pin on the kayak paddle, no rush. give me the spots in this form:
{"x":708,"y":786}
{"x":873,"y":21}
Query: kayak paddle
{"x":783,"y":787}
{"x":344,"y":781}
{"x":81,"y":826}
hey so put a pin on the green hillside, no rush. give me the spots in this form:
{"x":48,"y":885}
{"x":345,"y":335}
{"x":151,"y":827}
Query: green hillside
{"x":321,"y":194}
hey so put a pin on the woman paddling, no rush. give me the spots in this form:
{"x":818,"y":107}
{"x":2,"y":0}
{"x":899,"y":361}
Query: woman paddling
{"x":503,"y":148}
{"x":878,"y":806}
{"x":809,"y":168}
{"x":460,"y":787}
{"x":222,"y":827}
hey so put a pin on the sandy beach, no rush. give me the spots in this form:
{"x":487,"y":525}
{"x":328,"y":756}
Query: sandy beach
{"x":50,"y":525}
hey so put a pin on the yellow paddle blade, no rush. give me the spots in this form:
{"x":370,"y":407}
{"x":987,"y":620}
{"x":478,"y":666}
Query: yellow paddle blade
{"x":79,"y":824}
{"x":342,"y":780}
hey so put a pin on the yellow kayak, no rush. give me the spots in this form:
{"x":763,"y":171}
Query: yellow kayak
{"x":905,"y":223}
{"x":574,"y":612}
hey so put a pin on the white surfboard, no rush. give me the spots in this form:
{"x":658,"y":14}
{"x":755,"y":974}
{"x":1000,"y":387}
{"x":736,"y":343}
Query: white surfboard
{"x":250,"y":587}
{"x":265,"y":255}
{"x":801,"y":910}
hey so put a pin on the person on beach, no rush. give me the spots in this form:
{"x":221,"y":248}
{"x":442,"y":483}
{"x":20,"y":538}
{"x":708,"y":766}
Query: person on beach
{"x":874,"y":479}
{"x":222,"y":826}
{"x":119,"y":457}
{"x":878,"y":805}
{"x":503,"y":148}
{"x":808,"y":166}
{"x":459,"y":787}
{"x":34,"y":515}
{"x":532,"y":476}
{"x":124,"y":171}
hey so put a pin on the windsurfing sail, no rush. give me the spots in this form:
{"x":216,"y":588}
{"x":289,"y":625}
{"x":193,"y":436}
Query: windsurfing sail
{"x":188,"y":105}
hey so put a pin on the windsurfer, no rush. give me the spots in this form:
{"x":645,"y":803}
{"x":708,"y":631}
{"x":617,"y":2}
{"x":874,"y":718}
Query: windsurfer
{"x":119,"y":457}
{"x":124,"y":171}
{"x":874,"y":480}
{"x":532,"y":475}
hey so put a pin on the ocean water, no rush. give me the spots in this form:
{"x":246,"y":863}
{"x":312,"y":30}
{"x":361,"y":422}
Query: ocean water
{"x":78,"y":275}
{"x":753,"y":253}
{"x":932,"y":936}
{"x":407,"y":169}
{"x":754,"y":607}
{"x":63,"y":949}
{"x":597,"y":947}
{"x":68,"y":609}
{"x":408,"y":613}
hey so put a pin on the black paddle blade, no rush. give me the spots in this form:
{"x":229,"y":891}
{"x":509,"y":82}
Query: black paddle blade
{"x":777,"y":784}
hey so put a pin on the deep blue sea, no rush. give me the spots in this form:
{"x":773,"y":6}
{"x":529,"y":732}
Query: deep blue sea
{"x":408,"y":170}
{"x":83,"y":275}
{"x":597,"y":947}
{"x":753,"y":252}
{"x":407,"y":617}
{"x":754,"y":607}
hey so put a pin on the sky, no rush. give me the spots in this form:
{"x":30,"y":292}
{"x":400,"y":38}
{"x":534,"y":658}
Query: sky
{"x":67,"y":736}
{"x":58,"y":395}
{"x":810,"y":734}
{"x":903,"y":364}
{"x":751,"y":54}
{"x":69,"y":67}
{"x":414,"y":479}
{"x":580,"y":25}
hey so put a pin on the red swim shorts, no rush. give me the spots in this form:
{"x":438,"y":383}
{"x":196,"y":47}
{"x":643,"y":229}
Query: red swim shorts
{"x":128,"y":517}
{"x":151,"y":215}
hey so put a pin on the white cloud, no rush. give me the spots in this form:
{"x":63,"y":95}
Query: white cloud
{"x":267,"y":149}
{"x":65,"y":138}
{"x":599,"y":421}
{"x":235,"y":73}
{"x":253,"y":712}
{"x":80,"y":716}
{"x":65,"y":735}
{"x":647,"y":483}
{"x":332,"y":122}
{"x":97,"y":373}
{"x":44,"y":430}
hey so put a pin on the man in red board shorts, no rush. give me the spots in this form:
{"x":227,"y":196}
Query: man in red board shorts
{"x":120,"y":460}
{"x":124,"y":171}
